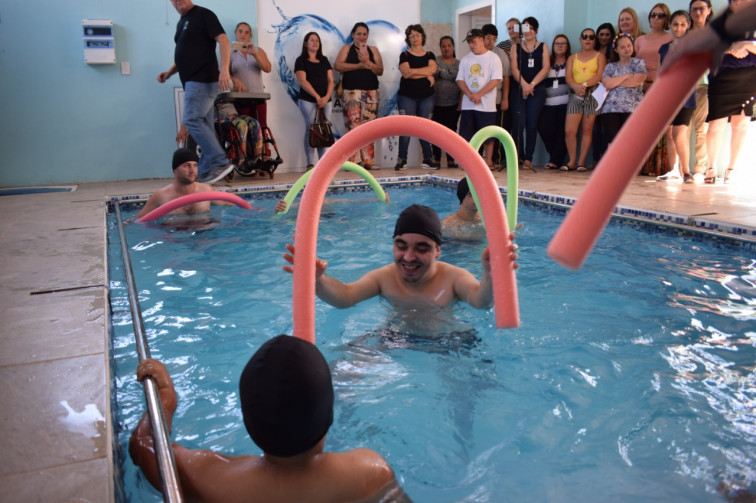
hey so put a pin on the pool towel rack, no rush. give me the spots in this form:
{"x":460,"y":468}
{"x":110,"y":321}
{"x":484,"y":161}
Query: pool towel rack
{"x":163,"y":451}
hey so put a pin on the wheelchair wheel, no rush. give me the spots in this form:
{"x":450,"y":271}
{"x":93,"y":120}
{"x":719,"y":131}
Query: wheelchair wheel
{"x":192,"y":145}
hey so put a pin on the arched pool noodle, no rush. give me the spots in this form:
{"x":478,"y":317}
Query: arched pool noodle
{"x":512,"y":168}
{"x":348,"y":166}
{"x":306,"y":233}
{"x":582,"y":227}
{"x":197,"y":197}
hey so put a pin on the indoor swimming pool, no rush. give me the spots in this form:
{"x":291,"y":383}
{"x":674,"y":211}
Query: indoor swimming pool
{"x":629,"y":380}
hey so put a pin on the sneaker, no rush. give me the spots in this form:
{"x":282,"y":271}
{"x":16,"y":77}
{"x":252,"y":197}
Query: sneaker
{"x":216,"y":174}
{"x":430,"y":164}
{"x":401,"y":165}
{"x":670,"y":176}
{"x":688,"y":178}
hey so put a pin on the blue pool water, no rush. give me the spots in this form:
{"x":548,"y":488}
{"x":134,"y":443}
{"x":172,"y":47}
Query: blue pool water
{"x":630,"y":380}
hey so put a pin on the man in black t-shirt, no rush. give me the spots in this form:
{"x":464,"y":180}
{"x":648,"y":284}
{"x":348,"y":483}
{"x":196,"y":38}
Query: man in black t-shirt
{"x":197,"y":32}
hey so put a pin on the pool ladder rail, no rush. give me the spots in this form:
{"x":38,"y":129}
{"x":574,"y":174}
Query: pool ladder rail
{"x":163,"y":451}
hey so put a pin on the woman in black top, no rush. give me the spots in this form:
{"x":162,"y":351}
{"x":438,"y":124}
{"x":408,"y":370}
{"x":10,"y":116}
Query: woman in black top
{"x":315,"y":77}
{"x":415,"y":96}
{"x":360,"y":65}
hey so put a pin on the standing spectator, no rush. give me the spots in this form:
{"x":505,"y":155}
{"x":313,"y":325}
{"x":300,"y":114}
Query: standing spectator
{"x":197,"y":32}
{"x":583,"y":73}
{"x":447,"y":94}
{"x":490,"y":34}
{"x":628,"y":23}
{"x":530,"y":65}
{"x":604,"y":44}
{"x":731,"y":97}
{"x":415,"y":96}
{"x":679,"y":130}
{"x":513,"y":31}
{"x":554,"y":113}
{"x":315,"y":77}
{"x":623,"y":77}
{"x":700,"y":15}
{"x":647,"y":48}
{"x":247,"y":67}
{"x":360,"y":65}
{"x":479,"y":76}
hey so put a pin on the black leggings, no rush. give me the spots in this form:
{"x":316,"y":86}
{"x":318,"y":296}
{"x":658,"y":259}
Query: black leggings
{"x":447,"y":116}
{"x":612,"y":123}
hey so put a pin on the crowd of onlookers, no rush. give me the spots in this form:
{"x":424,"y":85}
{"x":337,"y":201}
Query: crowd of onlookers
{"x":575,"y":97}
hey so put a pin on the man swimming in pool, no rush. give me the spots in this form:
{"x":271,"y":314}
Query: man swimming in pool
{"x":184,"y":183}
{"x":416,"y":276}
{"x":465,"y":223}
{"x":286,"y":396}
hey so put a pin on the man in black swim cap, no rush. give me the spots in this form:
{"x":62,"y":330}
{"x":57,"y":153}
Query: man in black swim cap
{"x":416,"y":273}
{"x":465,"y":223}
{"x":185,"y":182}
{"x":286,"y":398}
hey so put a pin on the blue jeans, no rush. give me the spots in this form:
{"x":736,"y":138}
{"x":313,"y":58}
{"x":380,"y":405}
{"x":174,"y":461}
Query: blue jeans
{"x":308,"y":110}
{"x":199,"y":121}
{"x":421,"y":108}
{"x":526,"y":113}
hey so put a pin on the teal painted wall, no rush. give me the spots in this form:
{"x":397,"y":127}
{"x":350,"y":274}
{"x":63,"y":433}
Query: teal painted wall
{"x":63,"y":121}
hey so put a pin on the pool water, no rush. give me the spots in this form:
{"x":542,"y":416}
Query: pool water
{"x":630,"y":380}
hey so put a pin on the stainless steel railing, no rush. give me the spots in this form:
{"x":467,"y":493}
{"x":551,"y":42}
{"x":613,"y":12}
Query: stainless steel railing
{"x":163,"y":451}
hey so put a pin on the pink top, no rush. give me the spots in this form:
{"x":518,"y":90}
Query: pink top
{"x":648,"y":50}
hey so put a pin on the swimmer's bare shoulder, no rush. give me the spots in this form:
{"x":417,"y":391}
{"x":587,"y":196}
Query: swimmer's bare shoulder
{"x":359,"y":476}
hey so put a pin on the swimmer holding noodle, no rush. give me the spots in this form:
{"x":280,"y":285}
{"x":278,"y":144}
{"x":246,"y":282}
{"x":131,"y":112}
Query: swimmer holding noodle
{"x":416,"y":273}
{"x":184,"y":183}
{"x":286,"y":396}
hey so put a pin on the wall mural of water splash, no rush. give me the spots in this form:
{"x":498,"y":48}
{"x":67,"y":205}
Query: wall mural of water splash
{"x":282,"y":26}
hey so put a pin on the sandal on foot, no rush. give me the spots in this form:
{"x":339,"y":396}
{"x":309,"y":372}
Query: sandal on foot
{"x":710,"y":176}
{"x":566,"y":167}
{"x":727,"y":175}
{"x":582,"y":169}
{"x":551,"y":165}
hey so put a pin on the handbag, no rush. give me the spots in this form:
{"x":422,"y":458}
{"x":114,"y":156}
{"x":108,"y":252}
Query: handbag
{"x":321,"y":135}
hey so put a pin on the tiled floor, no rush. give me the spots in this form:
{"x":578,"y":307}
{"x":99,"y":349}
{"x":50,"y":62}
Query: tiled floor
{"x":53,"y":342}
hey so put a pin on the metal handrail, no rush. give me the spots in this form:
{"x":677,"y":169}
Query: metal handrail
{"x":163,"y":451}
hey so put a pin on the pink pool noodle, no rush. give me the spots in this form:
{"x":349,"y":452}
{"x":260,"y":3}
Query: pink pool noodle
{"x":211,"y":195}
{"x":582,"y":227}
{"x":306,"y":234}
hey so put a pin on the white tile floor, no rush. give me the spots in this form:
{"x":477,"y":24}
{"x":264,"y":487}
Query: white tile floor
{"x":54,"y":402}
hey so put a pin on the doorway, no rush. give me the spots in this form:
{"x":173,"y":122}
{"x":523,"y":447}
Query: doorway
{"x":472,"y":16}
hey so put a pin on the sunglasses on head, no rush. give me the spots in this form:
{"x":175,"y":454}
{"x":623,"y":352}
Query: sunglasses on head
{"x":588,"y":36}
{"x":657,"y":15}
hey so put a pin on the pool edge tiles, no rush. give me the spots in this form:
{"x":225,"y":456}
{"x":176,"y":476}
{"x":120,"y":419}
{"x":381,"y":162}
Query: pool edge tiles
{"x":708,"y":226}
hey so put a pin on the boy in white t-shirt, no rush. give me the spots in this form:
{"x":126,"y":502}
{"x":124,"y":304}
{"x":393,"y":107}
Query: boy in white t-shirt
{"x":480,"y":73}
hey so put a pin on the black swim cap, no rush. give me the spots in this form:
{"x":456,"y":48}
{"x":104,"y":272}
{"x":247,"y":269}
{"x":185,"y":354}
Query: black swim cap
{"x":286,"y":396}
{"x":183,"y":155}
{"x":462,"y":189}
{"x":418,"y":219}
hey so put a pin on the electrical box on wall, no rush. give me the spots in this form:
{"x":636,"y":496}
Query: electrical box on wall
{"x":99,"y":44}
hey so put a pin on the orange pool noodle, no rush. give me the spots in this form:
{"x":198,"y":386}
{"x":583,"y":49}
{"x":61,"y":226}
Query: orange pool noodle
{"x":505,"y":288}
{"x":582,"y":227}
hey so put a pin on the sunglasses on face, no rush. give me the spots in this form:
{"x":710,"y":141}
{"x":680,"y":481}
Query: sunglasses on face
{"x":657,"y":15}
{"x":586,"y":36}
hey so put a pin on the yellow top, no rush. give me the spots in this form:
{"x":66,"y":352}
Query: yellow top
{"x":584,"y":70}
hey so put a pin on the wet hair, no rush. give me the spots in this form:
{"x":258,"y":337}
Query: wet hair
{"x":708,"y":4}
{"x":419,"y":219}
{"x":448,"y":37}
{"x":359,"y":24}
{"x":636,"y":23}
{"x":319,"y":54}
{"x":286,"y":396}
{"x":612,"y":34}
{"x":411,"y":28}
{"x":569,"y":47}
{"x":533,"y":22}
{"x":615,"y":55}
{"x":667,"y":16}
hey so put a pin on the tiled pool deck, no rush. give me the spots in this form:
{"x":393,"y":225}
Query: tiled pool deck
{"x":54,"y":362}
